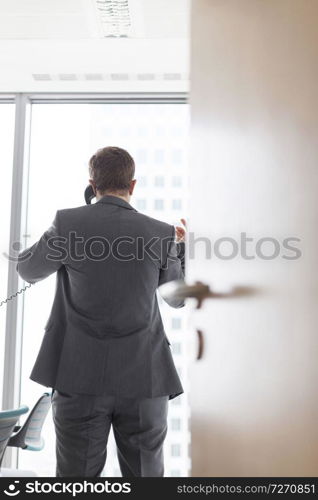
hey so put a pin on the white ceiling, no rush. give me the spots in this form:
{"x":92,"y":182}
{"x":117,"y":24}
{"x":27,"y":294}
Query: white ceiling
{"x":34,"y":19}
{"x":74,"y":19}
{"x":61,"y":42}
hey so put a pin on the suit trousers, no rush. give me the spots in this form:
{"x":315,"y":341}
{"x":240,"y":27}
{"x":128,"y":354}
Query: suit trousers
{"x":82,"y":424}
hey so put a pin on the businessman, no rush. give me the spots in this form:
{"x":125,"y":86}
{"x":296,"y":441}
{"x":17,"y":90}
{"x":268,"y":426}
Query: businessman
{"x":104,"y":352}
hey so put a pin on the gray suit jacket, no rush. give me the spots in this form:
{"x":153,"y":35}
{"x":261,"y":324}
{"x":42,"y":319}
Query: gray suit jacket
{"x":105,"y":334}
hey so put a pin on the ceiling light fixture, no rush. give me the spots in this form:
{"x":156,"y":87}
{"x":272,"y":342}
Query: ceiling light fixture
{"x":115,"y":17}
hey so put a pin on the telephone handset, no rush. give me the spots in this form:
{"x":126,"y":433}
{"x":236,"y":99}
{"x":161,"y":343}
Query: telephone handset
{"x":88,"y":195}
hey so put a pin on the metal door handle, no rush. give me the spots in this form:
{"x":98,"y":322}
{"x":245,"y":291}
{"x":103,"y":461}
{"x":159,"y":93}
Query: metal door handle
{"x":180,"y":290}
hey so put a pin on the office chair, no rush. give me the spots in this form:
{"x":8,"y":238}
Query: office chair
{"x":28,"y":436}
{"x":8,"y":420}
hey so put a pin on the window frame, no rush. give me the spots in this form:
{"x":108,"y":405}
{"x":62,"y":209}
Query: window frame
{"x":18,"y":213}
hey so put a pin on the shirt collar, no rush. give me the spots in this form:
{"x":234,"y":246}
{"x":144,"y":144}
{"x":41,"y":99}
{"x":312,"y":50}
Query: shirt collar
{"x":115,"y":200}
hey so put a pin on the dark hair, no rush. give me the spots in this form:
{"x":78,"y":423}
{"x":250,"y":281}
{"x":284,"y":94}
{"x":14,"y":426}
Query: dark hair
{"x":112,"y":169}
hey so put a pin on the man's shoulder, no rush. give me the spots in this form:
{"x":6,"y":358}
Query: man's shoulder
{"x":153,"y":223}
{"x":69,"y":216}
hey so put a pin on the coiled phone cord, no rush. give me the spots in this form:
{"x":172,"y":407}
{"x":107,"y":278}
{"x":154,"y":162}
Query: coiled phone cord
{"x":5,"y":301}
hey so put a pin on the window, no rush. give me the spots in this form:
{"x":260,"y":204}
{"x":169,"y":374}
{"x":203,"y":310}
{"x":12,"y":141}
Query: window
{"x":176,"y":156}
{"x":125,"y":132}
{"x":6,"y":157}
{"x":176,"y":424}
{"x":176,"y":323}
{"x":160,"y":131}
{"x":176,"y":181}
{"x":159,"y":181}
{"x":142,"y":181}
{"x":177,"y":131}
{"x":68,"y":160}
{"x":176,"y":347}
{"x":159,"y":156}
{"x":177,"y":204}
{"x":141,"y":156}
{"x":142,"y":131}
{"x":159,"y":204}
{"x":141,"y":204}
{"x":175,"y":450}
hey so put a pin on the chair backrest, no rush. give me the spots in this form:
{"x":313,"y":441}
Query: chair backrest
{"x":8,"y":420}
{"x":29,"y":435}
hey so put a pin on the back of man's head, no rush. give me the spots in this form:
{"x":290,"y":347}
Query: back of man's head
{"x":112,"y":170}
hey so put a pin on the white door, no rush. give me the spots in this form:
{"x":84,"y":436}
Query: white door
{"x":254,"y":170}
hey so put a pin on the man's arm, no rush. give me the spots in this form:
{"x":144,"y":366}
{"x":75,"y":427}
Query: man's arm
{"x":36,"y":263}
{"x":174,"y":267}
